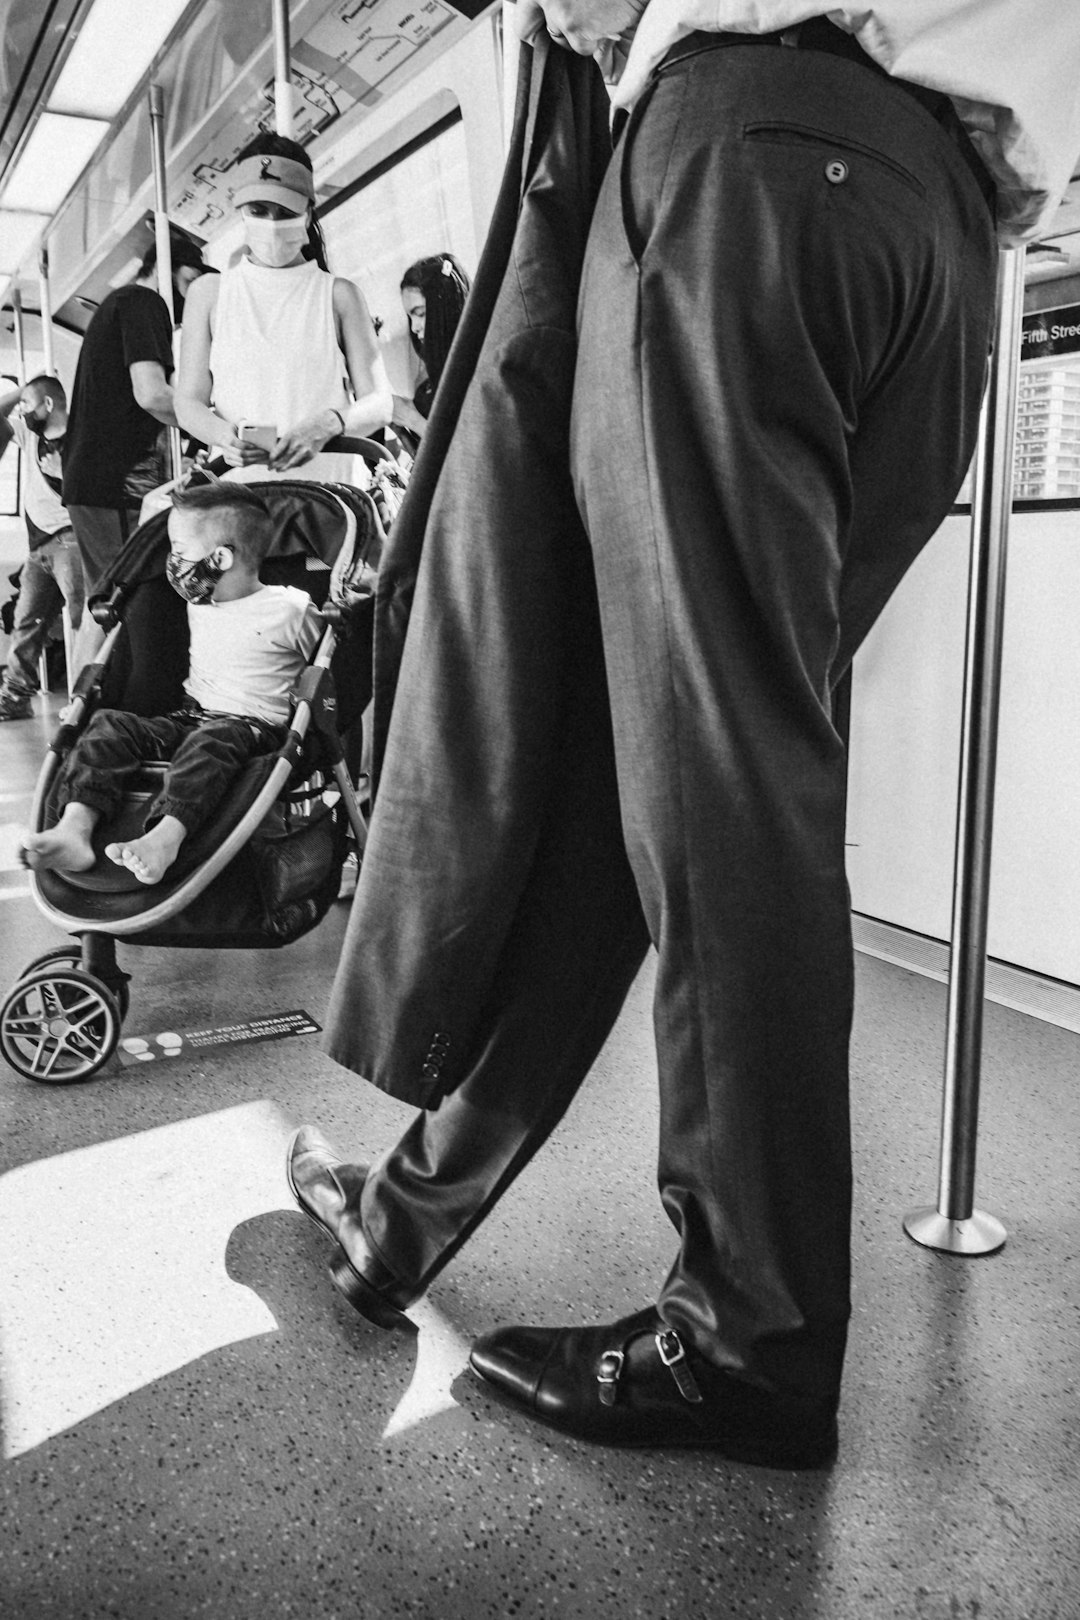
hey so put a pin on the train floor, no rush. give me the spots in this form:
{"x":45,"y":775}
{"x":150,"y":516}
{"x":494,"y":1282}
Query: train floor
{"x":194,"y":1423}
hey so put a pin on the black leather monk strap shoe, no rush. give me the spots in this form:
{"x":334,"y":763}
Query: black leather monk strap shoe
{"x":636,"y":1383}
{"x":328,"y":1190}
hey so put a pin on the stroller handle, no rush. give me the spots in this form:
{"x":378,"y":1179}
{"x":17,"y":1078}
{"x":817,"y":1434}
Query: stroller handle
{"x":370,"y":449}
{"x":343,"y":445}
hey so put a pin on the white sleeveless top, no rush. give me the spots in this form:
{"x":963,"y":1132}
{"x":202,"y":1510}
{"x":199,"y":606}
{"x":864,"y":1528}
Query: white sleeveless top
{"x":274,"y":358}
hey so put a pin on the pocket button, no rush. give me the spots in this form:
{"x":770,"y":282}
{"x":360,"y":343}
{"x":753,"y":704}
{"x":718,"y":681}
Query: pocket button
{"x":836,"y":171}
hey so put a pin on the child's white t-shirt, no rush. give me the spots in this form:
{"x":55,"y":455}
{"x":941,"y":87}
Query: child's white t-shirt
{"x":247,"y":655}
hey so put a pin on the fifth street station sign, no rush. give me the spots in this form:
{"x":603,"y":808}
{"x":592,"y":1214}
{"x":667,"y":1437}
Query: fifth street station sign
{"x":1051,"y":331}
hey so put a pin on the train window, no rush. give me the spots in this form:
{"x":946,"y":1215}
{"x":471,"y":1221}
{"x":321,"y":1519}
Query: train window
{"x":1048,"y":407}
{"x":201,"y":67}
{"x":9,"y":463}
{"x":415,"y":203}
{"x":1048,"y":426}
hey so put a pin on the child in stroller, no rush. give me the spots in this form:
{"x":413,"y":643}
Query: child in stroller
{"x":265,"y":865}
{"x":245,"y":660}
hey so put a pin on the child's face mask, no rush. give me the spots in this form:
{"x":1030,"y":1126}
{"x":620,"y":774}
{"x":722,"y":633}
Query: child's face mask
{"x":197,"y":581}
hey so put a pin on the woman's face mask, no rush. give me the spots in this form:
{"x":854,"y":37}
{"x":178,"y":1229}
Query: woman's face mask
{"x":196,"y":581}
{"x":275,"y":242}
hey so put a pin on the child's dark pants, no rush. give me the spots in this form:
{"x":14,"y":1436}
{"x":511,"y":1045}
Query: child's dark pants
{"x":205,"y":752}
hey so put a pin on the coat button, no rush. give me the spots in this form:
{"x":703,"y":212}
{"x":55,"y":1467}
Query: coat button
{"x":836,"y":171}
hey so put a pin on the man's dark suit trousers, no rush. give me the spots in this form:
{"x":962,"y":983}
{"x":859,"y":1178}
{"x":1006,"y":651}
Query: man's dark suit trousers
{"x":784,"y":324}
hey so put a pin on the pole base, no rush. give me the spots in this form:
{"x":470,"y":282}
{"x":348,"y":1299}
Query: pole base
{"x":979,"y":1234}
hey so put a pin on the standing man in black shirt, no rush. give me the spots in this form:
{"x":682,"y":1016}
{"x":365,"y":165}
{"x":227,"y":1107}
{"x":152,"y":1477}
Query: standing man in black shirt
{"x":121,"y":398}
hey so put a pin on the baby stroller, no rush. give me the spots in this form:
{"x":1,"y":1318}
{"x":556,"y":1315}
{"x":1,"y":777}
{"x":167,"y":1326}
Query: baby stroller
{"x":265,"y":867}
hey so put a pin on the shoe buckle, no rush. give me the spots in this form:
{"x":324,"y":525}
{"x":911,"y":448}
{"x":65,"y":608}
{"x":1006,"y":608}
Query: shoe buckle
{"x":607,"y":1375}
{"x":670,"y":1349}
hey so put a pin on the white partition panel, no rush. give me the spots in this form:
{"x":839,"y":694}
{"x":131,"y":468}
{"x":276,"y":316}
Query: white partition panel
{"x":905,"y":739}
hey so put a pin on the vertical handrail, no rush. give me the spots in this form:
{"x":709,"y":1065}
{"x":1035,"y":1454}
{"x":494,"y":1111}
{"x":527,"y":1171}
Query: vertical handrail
{"x":49,"y":366}
{"x":20,"y":373}
{"x":955,"y":1226}
{"x":284,"y":121}
{"x":162,"y":238}
{"x":20,"y":335}
{"x":45,"y":300}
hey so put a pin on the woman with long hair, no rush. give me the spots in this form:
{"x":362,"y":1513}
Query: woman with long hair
{"x":433,"y":293}
{"x":278,"y":356}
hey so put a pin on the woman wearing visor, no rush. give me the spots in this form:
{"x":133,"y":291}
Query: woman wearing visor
{"x":278,"y":356}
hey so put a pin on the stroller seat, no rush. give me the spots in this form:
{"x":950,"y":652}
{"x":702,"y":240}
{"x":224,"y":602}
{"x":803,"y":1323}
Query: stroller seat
{"x":107,"y":877}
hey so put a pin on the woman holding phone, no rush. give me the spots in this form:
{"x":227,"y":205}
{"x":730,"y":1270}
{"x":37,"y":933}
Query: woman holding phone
{"x":278,"y":356}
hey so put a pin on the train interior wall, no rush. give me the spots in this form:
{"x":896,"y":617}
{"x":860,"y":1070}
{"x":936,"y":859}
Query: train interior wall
{"x":905,"y":747}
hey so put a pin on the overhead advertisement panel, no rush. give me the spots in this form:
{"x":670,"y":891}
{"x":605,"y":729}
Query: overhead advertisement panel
{"x":341,"y":64}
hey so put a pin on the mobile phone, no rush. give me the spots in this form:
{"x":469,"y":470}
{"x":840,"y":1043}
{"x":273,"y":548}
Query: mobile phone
{"x":264,"y":437}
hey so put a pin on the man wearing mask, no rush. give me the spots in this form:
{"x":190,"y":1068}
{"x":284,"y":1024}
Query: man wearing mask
{"x":121,"y":399}
{"x":35,"y":416}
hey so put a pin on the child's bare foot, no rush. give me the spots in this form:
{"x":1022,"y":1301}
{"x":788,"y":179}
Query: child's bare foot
{"x":150,"y":856}
{"x":61,"y":849}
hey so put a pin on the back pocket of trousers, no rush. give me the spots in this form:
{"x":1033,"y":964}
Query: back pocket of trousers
{"x":831,"y":146}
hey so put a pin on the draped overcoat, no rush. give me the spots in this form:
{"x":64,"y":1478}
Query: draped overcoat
{"x":492,"y":751}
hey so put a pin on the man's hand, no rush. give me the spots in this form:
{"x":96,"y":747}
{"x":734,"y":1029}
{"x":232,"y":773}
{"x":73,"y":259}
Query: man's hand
{"x":582,"y":25}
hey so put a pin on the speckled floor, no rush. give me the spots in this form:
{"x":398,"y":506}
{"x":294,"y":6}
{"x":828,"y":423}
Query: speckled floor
{"x":193,"y":1423}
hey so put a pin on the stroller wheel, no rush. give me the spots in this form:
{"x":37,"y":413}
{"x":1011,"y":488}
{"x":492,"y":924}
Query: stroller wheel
{"x":70,"y":956}
{"x":59,"y":1025}
{"x":64,"y":956}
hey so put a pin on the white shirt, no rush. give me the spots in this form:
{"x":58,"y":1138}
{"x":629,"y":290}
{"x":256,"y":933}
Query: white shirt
{"x":43,"y":505}
{"x":247,"y":655}
{"x":1012,"y":68}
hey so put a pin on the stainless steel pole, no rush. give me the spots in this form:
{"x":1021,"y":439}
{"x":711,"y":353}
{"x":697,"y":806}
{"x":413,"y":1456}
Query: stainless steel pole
{"x":20,"y":370}
{"x":49,"y":366}
{"x":161,"y":234}
{"x":45,"y":300}
{"x":20,"y":335}
{"x":283,"y":89}
{"x":955,"y":1226}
